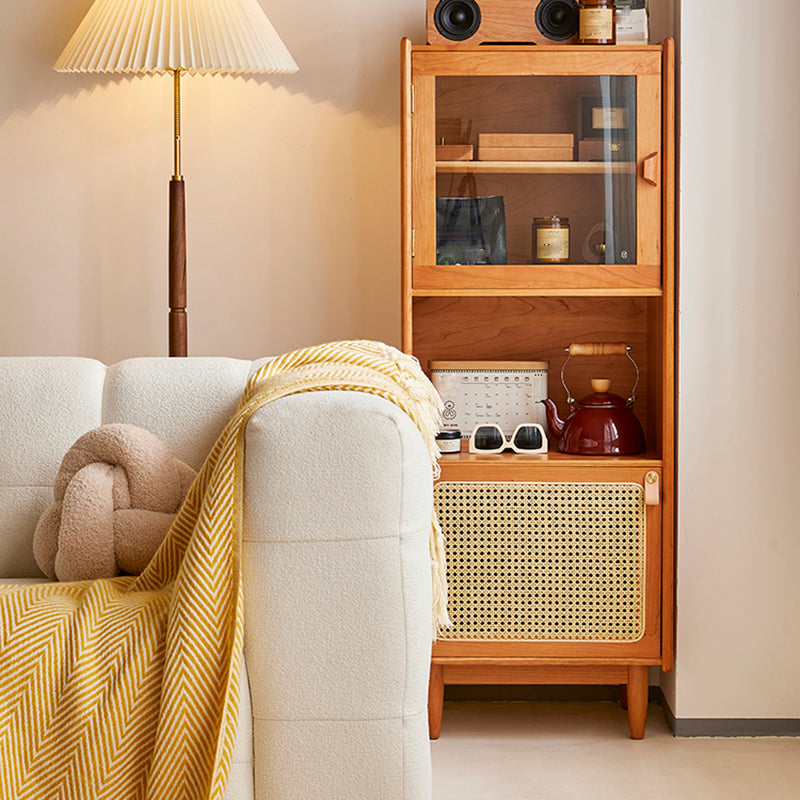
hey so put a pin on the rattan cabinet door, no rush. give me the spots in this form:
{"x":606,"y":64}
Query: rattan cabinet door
{"x":550,"y":568}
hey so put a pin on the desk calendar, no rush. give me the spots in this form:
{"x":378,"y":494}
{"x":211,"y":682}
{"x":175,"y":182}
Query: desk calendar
{"x":506,"y":392}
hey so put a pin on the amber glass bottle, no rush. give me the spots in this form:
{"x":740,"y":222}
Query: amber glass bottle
{"x":597,"y":23}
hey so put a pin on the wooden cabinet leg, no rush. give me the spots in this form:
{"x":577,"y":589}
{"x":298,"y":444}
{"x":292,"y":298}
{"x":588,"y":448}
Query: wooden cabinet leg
{"x":435,"y":701}
{"x":637,"y":700}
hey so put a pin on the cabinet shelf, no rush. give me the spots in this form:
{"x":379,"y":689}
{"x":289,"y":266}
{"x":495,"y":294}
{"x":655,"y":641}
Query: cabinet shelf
{"x":537,"y":167}
{"x":500,"y":461}
{"x":563,"y":280}
{"x":548,"y":466}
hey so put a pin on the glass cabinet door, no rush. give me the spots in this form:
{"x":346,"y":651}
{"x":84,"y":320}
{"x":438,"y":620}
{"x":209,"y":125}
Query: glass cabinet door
{"x":537,"y":170}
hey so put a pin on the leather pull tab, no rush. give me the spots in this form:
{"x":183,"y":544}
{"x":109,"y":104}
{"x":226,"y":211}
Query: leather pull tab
{"x":652,"y":489}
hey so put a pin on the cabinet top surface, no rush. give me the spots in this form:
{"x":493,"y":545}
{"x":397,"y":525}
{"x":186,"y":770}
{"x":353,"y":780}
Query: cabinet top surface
{"x":536,"y":59}
{"x":534,"y":48}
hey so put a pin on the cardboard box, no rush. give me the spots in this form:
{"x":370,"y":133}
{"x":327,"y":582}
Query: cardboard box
{"x":632,"y":22}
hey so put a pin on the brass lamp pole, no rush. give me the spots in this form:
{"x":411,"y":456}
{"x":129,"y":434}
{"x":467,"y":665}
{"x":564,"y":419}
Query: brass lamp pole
{"x":227,"y":36}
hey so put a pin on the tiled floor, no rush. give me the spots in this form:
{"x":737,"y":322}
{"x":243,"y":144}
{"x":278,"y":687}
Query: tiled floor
{"x":581,"y":751}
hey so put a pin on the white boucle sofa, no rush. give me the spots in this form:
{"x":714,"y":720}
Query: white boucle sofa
{"x":337,"y":507}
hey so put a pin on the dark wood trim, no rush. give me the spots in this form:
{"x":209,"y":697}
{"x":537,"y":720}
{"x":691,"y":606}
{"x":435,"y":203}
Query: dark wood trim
{"x":177,"y":268}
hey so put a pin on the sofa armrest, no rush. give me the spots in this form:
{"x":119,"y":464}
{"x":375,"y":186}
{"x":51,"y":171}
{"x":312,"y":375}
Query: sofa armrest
{"x":337,"y":598}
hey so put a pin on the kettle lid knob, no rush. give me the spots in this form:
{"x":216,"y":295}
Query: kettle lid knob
{"x":601,"y":385}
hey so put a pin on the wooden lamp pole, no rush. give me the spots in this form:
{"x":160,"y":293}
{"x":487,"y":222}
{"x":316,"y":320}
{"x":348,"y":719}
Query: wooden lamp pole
{"x":178,"y":345}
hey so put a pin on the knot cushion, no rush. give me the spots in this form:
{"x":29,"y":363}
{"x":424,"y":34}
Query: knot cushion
{"x":116,"y":494}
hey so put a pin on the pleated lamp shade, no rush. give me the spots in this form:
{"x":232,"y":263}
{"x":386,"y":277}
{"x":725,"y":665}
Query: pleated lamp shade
{"x":198,"y":36}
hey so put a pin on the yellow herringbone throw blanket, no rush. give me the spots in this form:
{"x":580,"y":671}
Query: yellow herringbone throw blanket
{"x":128,"y":687}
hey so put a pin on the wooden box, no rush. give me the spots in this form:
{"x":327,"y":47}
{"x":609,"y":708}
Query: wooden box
{"x":526,"y":147}
{"x":454,"y":152}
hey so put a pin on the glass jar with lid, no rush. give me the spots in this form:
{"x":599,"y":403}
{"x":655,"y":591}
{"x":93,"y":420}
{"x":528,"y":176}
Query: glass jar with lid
{"x":597,"y":23}
{"x":550,"y":240}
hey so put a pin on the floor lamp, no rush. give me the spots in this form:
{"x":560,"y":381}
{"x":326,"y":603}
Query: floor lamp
{"x":177,"y":36}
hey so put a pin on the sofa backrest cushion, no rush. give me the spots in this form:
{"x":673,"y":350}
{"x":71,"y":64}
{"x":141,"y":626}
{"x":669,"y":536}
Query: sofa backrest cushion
{"x":47,"y":403}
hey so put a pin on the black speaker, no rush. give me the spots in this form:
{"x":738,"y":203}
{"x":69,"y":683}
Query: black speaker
{"x":502,"y":21}
{"x":557,"y":19}
{"x":457,"y":19}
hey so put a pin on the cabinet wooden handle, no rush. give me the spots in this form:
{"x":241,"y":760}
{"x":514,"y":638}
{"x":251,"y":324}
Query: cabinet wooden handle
{"x":650,"y":169}
{"x":598,"y":349}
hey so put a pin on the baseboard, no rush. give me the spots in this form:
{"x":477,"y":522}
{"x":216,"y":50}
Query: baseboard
{"x":728,"y":728}
{"x":681,"y":728}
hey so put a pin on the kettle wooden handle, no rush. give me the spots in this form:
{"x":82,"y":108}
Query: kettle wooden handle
{"x":598,"y":349}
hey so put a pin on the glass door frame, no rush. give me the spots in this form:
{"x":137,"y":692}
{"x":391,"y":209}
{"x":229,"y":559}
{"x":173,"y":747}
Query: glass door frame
{"x":428,"y":63}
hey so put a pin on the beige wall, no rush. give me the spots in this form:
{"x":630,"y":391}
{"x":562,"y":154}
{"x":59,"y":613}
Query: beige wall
{"x":739,"y":528}
{"x":292,"y":184}
{"x":292,"y":190}
{"x":293,"y":216}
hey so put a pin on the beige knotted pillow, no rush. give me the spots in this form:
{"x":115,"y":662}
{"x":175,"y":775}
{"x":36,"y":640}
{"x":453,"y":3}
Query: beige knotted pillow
{"x":116,"y":494}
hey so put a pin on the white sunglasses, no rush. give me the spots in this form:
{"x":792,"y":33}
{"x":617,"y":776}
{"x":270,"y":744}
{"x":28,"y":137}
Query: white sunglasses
{"x":528,"y":437}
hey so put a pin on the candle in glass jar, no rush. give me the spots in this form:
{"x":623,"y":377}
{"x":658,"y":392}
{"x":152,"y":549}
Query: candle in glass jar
{"x":597,"y":24}
{"x":551,"y":240}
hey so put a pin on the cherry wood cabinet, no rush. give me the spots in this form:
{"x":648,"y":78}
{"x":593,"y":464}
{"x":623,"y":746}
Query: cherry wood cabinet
{"x":577,"y":597}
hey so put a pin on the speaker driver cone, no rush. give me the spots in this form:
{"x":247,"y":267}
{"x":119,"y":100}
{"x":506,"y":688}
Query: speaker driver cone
{"x":557,"y":19}
{"x":457,"y":19}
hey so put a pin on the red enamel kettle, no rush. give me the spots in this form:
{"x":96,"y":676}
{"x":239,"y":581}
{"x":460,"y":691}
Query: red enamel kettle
{"x":601,"y":423}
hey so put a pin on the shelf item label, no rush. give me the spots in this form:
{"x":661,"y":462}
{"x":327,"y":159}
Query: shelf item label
{"x":552,"y":244}
{"x":596,"y":24}
{"x":606,"y":118}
